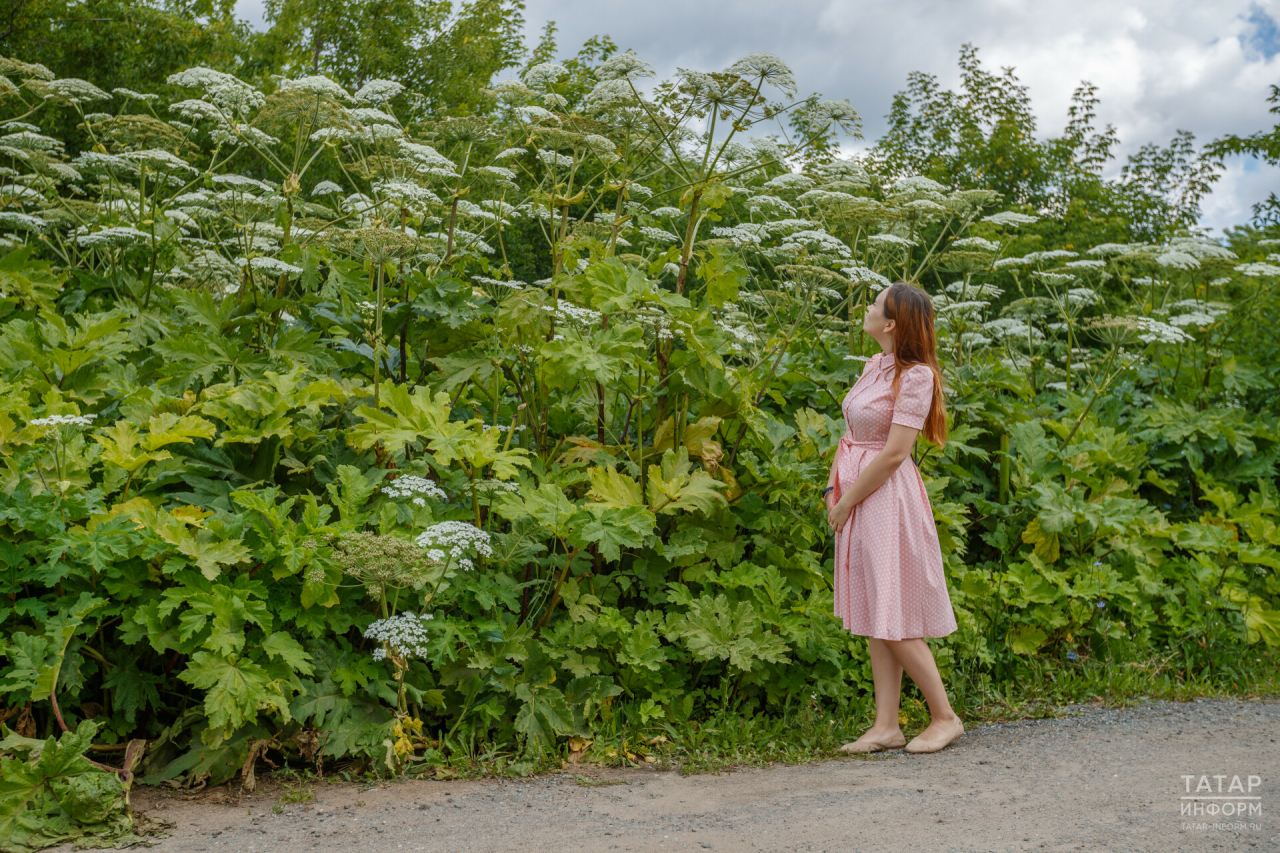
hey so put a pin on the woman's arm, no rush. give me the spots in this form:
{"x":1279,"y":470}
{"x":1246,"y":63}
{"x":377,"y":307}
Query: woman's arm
{"x":901,"y":441}
{"x":829,"y":494}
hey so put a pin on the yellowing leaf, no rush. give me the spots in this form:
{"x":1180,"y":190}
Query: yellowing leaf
{"x":615,"y":489}
{"x":1045,"y":544}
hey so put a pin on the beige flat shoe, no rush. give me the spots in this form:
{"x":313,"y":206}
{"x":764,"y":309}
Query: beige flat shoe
{"x":864,"y":744}
{"x":921,"y":744}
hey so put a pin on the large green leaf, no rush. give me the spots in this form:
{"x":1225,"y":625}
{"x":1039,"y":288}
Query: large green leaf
{"x":715,"y":628}
{"x":675,"y":486}
{"x":50,"y":793}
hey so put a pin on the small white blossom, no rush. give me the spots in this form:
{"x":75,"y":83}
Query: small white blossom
{"x":623,"y":66}
{"x":1178,"y":260}
{"x":315,"y":84}
{"x":405,"y":634}
{"x":976,"y":290}
{"x":544,"y":74}
{"x":1258,"y":269}
{"x":658,"y":235}
{"x":63,"y":420}
{"x":379,"y":91}
{"x":458,"y":539}
{"x":978,"y":243}
{"x":121,"y":235}
{"x":270,"y":266}
{"x":409,"y":486}
{"x":768,"y":67}
{"x":23,"y":221}
{"x":1012,"y":327}
{"x":1010,"y":219}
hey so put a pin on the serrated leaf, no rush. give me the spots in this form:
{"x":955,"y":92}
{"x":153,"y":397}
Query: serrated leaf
{"x":716,"y":628}
{"x":615,"y":489}
{"x":283,"y":647}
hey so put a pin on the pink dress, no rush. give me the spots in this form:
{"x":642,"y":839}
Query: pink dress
{"x":889,"y":581}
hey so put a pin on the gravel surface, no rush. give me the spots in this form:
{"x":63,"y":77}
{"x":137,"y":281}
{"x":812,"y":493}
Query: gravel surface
{"x":1098,"y":779}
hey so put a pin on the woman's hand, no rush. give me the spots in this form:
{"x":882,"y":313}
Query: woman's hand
{"x":839,"y":514}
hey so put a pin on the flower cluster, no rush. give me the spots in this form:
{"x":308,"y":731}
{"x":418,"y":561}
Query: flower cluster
{"x":454,"y":540}
{"x":63,"y":420}
{"x":414,"y":488}
{"x":405,"y":635}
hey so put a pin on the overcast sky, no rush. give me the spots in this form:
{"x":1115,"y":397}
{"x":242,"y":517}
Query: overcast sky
{"x":1160,"y":65}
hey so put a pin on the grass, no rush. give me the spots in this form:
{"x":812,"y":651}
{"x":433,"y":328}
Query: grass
{"x":813,"y":730}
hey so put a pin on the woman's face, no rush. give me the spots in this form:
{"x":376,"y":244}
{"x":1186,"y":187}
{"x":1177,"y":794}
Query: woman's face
{"x":875,"y":323}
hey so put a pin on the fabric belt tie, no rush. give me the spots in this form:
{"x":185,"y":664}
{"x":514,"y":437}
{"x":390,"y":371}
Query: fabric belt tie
{"x":846,"y":441}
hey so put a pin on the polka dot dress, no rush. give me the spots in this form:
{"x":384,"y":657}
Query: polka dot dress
{"x":889,"y":581}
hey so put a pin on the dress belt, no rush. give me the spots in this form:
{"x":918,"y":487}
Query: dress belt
{"x":871,"y":445}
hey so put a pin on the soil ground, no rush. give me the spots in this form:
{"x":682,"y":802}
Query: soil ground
{"x":1096,"y":780}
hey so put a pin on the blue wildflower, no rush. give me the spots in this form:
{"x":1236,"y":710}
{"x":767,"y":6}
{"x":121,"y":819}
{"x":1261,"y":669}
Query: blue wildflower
{"x":1102,"y":604}
{"x":1071,"y":655}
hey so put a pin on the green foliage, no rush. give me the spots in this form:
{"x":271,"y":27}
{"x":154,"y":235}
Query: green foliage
{"x":50,"y":793}
{"x":292,"y":462}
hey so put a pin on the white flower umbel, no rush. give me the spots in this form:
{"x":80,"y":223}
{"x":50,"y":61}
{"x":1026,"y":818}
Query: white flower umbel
{"x":1259,"y":270}
{"x":743,"y":234}
{"x":978,"y":291}
{"x":841,"y":113}
{"x":23,"y":221}
{"x":608,"y":94}
{"x":1107,"y":250}
{"x":889,"y":240}
{"x":325,"y":188}
{"x":1012,"y":327}
{"x":63,"y":420}
{"x":544,"y":74}
{"x":819,"y":241}
{"x":975,"y":244}
{"x":121,"y":235}
{"x":860,"y":273}
{"x":270,"y":266}
{"x":658,"y":236}
{"x":623,"y":66}
{"x":378,"y":91}
{"x":315,"y":84}
{"x":1153,"y":331}
{"x":456,"y":541}
{"x":405,"y":634}
{"x":369,"y":115}
{"x":137,"y":96}
{"x":414,"y":488}
{"x":1178,"y":260}
{"x":767,"y":67}
{"x":68,"y":90}
{"x":1010,"y":219}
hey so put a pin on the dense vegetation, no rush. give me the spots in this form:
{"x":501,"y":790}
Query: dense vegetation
{"x":339,"y":429}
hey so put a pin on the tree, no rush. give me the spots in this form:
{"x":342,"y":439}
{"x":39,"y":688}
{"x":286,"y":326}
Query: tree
{"x":444,"y":53}
{"x":133,"y":44}
{"x":983,"y":136}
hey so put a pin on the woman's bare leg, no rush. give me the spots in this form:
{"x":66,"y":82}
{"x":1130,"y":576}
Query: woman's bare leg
{"x":886,"y":672}
{"x":916,"y":658}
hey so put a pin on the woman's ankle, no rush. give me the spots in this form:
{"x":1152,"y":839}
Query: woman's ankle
{"x":887,"y":729}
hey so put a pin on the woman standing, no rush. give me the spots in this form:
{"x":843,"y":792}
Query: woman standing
{"x":889,"y":582}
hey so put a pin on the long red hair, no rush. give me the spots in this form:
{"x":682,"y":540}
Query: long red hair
{"x":914,"y":342}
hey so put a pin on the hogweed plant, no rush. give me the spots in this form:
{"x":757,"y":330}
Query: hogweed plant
{"x":535,"y":405}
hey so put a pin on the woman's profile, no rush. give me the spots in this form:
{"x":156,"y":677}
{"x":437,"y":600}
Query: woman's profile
{"x":889,"y":581}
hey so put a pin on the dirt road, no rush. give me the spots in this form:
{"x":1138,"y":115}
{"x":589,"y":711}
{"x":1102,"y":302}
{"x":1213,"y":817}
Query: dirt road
{"x":1100,"y":779}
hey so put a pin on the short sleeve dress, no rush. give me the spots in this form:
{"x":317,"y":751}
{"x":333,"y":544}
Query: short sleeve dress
{"x":889,"y":580}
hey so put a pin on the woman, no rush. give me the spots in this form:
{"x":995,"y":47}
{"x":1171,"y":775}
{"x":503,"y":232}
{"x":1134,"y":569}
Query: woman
{"x":889,"y":583}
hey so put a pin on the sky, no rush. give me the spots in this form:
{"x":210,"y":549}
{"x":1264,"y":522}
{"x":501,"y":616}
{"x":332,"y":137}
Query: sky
{"x":1160,"y":65}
